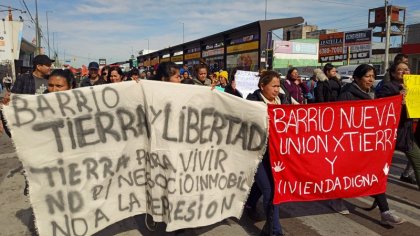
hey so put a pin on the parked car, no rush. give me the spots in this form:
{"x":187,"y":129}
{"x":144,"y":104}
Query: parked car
{"x":346,"y":79}
{"x":378,"y":79}
{"x":305,"y":77}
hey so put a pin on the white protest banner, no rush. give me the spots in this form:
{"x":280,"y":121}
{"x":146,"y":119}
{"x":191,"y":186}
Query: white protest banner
{"x":246,"y":81}
{"x":94,"y":156}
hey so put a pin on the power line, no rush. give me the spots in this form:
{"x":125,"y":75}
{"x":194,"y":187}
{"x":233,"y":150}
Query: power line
{"x":29,"y":12}
{"x":342,"y":3}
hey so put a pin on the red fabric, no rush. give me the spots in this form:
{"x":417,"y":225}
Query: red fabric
{"x":322,"y":132}
{"x":85,"y":70}
{"x":411,"y":48}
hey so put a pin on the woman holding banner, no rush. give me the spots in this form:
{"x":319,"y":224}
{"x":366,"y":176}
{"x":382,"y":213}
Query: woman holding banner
{"x":269,"y":92}
{"x":361,"y":89}
{"x":405,"y":135}
{"x":60,"y":80}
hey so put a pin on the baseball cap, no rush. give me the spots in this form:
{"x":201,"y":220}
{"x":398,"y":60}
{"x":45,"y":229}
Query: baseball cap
{"x":42,"y":60}
{"x":93,"y":65}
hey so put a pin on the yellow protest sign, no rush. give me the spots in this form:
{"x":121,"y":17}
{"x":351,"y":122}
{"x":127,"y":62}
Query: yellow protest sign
{"x":412,"y":98}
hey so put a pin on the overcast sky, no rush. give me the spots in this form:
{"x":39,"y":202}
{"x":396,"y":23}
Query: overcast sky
{"x":86,"y":30}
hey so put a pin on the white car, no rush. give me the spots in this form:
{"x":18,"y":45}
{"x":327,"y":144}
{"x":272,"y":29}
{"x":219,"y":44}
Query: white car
{"x":346,"y":79}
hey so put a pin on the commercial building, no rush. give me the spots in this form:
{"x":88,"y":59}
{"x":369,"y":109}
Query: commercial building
{"x":412,"y":47}
{"x":244,"y":48}
{"x":298,"y":31}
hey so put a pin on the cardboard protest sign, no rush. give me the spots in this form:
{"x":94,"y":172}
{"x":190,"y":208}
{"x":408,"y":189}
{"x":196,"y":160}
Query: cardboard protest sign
{"x":332,"y":150}
{"x":94,"y":156}
{"x":412,"y":98}
{"x":246,"y":81}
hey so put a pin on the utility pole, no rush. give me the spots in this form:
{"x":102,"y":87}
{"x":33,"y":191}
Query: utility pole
{"x":265,"y":14}
{"x":38,"y":36}
{"x":55,"y":51}
{"x":388,"y":34}
{"x":48,"y":35}
{"x":183,"y":33}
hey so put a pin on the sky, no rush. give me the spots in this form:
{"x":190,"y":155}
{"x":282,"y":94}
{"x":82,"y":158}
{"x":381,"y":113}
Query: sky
{"x":86,"y":30}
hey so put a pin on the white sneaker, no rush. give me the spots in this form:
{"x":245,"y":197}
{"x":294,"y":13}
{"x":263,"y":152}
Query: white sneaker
{"x":338,"y":206}
{"x":388,"y":218}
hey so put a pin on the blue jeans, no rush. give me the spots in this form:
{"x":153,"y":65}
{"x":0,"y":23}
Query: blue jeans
{"x":264,"y":185}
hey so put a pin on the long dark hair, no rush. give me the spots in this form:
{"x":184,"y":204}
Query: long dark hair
{"x":165,"y":70}
{"x":393,"y":68}
{"x":289,"y":72}
{"x":118,"y":70}
{"x":67,"y":74}
{"x":327,"y":68}
{"x":200,"y":66}
{"x":266,"y":77}
{"x":362,"y":69}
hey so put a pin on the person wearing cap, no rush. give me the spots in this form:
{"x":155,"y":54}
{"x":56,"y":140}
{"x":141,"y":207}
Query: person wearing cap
{"x":93,"y":77}
{"x":37,"y":81}
{"x":30,"y":83}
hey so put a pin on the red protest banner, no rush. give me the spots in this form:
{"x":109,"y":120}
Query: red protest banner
{"x":332,"y":150}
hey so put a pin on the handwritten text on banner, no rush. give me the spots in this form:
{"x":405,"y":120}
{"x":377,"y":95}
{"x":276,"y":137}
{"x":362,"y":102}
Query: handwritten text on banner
{"x":412,"y":99}
{"x":333,"y":150}
{"x":94,"y":156}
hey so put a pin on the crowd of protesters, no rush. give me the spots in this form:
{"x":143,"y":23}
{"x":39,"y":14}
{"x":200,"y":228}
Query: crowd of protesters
{"x":324,"y":86}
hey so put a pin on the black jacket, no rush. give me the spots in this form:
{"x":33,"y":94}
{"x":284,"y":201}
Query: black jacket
{"x":351,"y":92}
{"x":229,"y":89}
{"x":256,"y":96}
{"x":86,"y":82}
{"x":328,"y":90}
{"x":24,"y":84}
{"x":405,"y":134}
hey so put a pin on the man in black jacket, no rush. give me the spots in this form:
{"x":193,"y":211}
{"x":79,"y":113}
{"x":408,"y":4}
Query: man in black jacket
{"x":30,"y":83}
{"x":93,"y":78}
{"x":37,"y":81}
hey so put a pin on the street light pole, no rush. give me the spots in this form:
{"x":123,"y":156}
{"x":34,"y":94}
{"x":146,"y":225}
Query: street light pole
{"x":38,"y":37}
{"x":265,"y":13}
{"x":387,"y":35}
{"x":48,"y":35}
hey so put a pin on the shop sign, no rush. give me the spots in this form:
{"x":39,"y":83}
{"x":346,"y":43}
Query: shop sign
{"x":192,"y":56}
{"x":243,"y":47}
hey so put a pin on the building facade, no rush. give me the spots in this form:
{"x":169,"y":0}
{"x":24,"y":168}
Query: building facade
{"x":298,"y":31}
{"x":245,"y":48}
{"x":412,"y":47}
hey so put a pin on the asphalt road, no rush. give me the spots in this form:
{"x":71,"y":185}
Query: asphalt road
{"x":309,"y":218}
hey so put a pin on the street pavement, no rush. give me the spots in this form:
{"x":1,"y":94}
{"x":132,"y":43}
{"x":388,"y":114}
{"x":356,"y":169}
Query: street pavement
{"x":306,"y":218}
